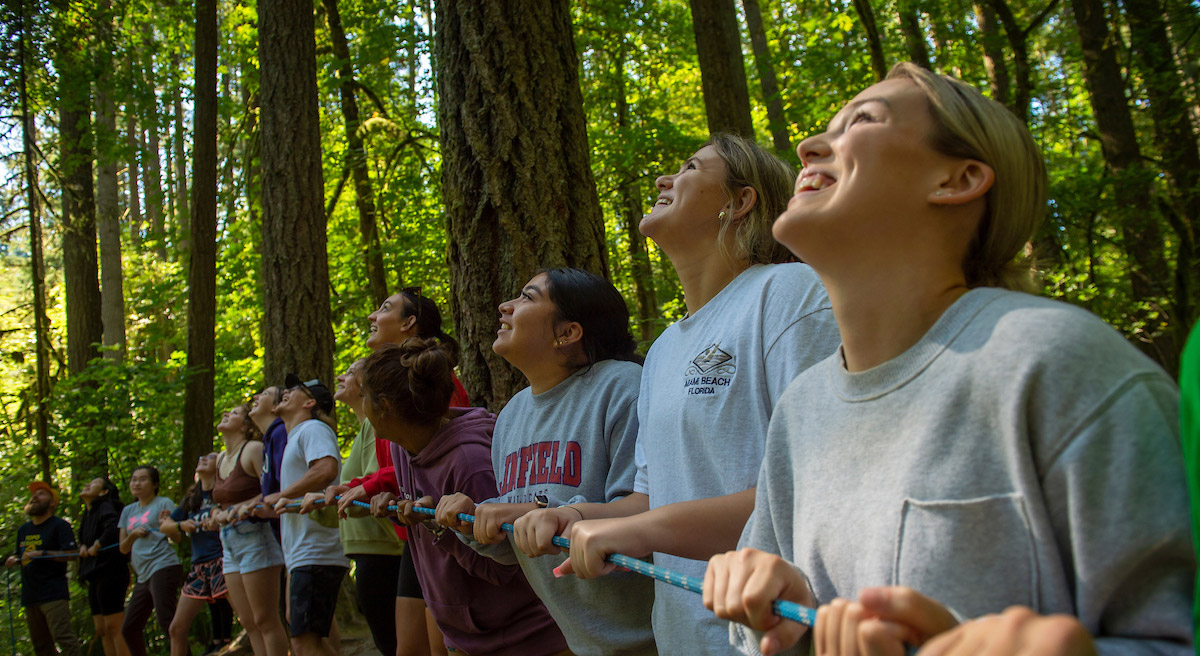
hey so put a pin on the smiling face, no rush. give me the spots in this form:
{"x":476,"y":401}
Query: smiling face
{"x":232,"y":421}
{"x":689,"y":202}
{"x":262,"y":406}
{"x":526,"y":333}
{"x":40,"y":503}
{"x":206,"y":464}
{"x":348,"y":390}
{"x":392,"y":323}
{"x":867,"y":180}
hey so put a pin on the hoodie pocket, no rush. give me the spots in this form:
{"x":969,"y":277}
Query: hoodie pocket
{"x":974,"y":556}
{"x":454,"y":616}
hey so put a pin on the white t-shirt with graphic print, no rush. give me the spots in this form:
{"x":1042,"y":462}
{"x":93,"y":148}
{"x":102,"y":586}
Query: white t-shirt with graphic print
{"x":709,"y":385}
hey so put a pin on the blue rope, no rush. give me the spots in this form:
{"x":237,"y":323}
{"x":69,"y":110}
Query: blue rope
{"x":73,"y":554}
{"x":786,"y":609}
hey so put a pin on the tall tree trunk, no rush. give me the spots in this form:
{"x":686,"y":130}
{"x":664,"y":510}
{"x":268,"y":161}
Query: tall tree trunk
{"x":155,"y":198}
{"x":765,"y":66}
{"x":1140,"y":231}
{"x":180,"y":230}
{"x":41,"y":323}
{"x":132,"y":186}
{"x":631,"y":213}
{"x":1175,"y":138}
{"x":516,"y":177}
{"x":356,"y":160}
{"x":84,"y":327}
{"x":993,"y":53}
{"x":722,"y":70}
{"x":914,"y":36}
{"x":202,"y":264}
{"x":1018,"y":40}
{"x":297,"y":329}
{"x":108,"y":216}
{"x":867,"y":15}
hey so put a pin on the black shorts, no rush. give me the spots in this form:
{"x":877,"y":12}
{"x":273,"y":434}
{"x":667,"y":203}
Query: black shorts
{"x":314,"y":595}
{"x":106,"y":589}
{"x":407,"y":586}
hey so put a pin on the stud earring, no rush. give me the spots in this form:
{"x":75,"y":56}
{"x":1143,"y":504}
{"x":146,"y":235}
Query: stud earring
{"x":721,"y":216}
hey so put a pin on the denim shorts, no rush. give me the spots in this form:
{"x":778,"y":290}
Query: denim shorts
{"x":249,"y":547}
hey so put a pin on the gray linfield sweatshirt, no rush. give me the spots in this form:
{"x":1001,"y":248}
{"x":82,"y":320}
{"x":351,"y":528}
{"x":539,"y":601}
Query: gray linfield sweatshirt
{"x":1022,"y":452}
{"x":575,"y":444}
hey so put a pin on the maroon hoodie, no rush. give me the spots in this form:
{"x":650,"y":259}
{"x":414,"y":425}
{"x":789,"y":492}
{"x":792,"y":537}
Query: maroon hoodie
{"x":481,"y":606}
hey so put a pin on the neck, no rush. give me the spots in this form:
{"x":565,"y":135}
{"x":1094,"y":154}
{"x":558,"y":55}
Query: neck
{"x":39,"y":519}
{"x":357,"y":409}
{"x":546,"y":375}
{"x":233,"y":440}
{"x":704,"y":275}
{"x":145,"y":499}
{"x":883,"y":313}
{"x":414,"y":438}
{"x":295,"y":419}
{"x":208,"y":480}
{"x":263,"y":423}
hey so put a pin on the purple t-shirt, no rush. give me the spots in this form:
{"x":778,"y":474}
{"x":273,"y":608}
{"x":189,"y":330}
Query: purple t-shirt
{"x":274,"y":442}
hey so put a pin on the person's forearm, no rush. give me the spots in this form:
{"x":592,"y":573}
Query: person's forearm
{"x":633,"y":504}
{"x":319,"y":476}
{"x":698,"y":529}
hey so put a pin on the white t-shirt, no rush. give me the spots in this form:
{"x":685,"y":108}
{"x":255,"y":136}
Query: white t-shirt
{"x":305,"y":542}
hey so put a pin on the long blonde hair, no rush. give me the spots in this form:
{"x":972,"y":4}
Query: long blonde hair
{"x":748,"y":164}
{"x":969,"y":125}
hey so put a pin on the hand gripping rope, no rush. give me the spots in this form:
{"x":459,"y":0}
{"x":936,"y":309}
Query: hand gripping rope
{"x":70,"y":554}
{"x":786,"y":609}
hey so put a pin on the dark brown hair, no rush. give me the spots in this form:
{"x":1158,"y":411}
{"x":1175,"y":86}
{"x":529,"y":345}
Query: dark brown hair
{"x":415,"y":378}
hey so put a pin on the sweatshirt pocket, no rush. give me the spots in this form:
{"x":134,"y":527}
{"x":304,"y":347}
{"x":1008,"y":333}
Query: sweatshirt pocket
{"x":974,"y":556}
{"x":456,"y":617}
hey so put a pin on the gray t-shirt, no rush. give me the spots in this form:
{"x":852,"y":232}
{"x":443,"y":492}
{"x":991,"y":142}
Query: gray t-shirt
{"x":574,"y":443}
{"x":708,"y":388}
{"x":153,"y":552}
{"x":1022,"y":452}
{"x":306,"y":542}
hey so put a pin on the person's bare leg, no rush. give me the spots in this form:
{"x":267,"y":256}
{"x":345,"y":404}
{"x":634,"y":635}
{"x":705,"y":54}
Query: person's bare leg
{"x":262,"y":590}
{"x":185,"y":612}
{"x":112,"y":633}
{"x":437,"y":643}
{"x":334,"y":641}
{"x":412,"y":638}
{"x":245,"y":612}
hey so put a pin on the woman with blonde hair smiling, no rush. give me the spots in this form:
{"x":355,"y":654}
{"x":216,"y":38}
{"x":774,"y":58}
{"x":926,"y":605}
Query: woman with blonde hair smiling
{"x":970,"y":447}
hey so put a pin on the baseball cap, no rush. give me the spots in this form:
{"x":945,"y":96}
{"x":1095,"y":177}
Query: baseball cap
{"x":319,"y":392}
{"x":43,"y":485}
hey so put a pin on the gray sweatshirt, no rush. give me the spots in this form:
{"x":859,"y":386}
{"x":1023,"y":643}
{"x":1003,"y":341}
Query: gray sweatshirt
{"x":574,"y":443}
{"x":1021,"y":453}
{"x":709,"y":386}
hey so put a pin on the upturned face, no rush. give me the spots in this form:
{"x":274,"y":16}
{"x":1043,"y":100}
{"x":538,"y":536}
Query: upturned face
{"x":864,"y":178}
{"x":392,"y":323}
{"x":40,"y":502}
{"x":348,"y":390}
{"x":233,"y":420}
{"x":527,"y":324}
{"x":206,"y":464}
{"x":689,"y":202}
{"x":262,"y":406}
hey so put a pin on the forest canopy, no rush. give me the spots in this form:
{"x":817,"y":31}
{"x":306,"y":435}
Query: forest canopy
{"x":163,"y":199}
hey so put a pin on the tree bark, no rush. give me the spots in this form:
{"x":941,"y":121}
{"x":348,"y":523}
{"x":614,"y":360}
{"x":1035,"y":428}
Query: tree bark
{"x":202,"y":264}
{"x":993,"y":53}
{"x":764,"y":64}
{"x":356,"y":160}
{"x":84,"y":327}
{"x":631,"y":211}
{"x":180,"y":230}
{"x":297,"y":329}
{"x":108,"y":216}
{"x":914,"y":36}
{"x":1175,"y":137}
{"x":516,"y":177}
{"x":152,"y":149}
{"x":41,"y":323}
{"x":867,"y":15}
{"x":132,"y":187}
{"x":722,"y":70}
{"x":1140,"y":231}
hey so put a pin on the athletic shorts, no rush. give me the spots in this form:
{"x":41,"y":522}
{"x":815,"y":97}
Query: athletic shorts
{"x":314,"y":595}
{"x":106,"y":589}
{"x":249,"y":547}
{"x":407,"y":585}
{"x":206,"y":581}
